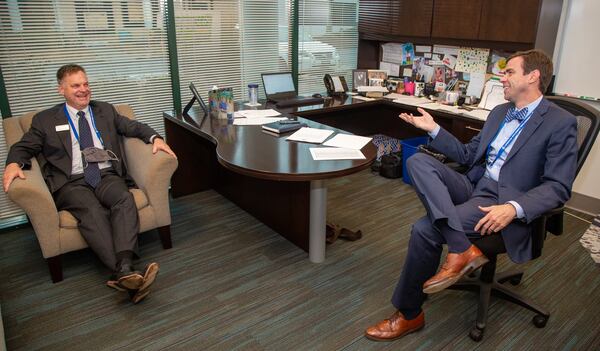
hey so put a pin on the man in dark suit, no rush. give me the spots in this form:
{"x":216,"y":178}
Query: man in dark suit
{"x":521,"y":165}
{"x":94,"y":188}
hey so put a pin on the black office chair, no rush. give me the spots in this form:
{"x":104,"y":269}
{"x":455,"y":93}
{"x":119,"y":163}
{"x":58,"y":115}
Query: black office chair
{"x":488,"y":282}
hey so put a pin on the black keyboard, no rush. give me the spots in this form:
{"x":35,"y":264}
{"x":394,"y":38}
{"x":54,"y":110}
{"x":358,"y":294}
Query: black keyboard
{"x":299,"y":102}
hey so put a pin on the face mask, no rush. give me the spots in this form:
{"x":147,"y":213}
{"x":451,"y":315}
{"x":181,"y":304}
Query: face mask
{"x":94,"y":155}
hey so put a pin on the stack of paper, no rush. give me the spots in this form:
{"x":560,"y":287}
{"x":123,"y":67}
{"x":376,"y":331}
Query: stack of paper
{"x":412,"y":100}
{"x":310,"y":135}
{"x":348,"y":141}
{"x":256,"y":121}
{"x":256,"y":113}
{"x":335,"y":153}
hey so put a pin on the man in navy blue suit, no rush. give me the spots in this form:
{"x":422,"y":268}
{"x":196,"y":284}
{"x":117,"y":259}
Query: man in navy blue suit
{"x":521,"y":165}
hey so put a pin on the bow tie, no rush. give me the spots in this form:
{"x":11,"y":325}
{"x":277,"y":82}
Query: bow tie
{"x":514,"y":114}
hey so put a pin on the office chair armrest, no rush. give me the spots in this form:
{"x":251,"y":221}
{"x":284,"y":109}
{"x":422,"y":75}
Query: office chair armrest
{"x":33,"y":196}
{"x":152,"y":174}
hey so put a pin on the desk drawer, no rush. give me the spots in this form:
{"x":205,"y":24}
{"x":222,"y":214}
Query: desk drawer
{"x":466,"y":130}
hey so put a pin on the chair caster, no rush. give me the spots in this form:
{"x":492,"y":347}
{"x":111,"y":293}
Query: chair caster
{"x":539,"y":320}
{"x":516,"y":280}
{"x":476,"y":334}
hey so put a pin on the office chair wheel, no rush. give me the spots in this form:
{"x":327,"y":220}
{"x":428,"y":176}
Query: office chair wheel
{"x":539,"y":320}
{"x":476,"y":334}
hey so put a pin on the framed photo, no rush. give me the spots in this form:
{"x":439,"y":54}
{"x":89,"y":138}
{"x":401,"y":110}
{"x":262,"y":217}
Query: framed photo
{"x":377,"y":74}
{"x":359,"y":78}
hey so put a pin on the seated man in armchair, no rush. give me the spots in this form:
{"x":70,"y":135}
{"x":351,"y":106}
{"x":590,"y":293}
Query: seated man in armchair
{"x":84,"y":170}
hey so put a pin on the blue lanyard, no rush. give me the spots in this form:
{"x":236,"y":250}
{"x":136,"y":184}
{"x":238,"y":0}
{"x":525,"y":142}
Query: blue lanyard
{"x":507,"y":143}
{"x":75,"y":130}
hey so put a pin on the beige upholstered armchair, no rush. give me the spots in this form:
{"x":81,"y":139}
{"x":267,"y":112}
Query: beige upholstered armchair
{"x":57,"y":231}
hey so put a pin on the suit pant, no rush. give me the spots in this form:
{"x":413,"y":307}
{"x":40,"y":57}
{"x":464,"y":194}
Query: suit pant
{"x":451,"y":201}
{"x":107,"y":216}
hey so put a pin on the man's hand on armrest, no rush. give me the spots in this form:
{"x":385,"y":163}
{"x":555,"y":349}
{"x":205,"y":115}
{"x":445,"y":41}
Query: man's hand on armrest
{"x":424,"y":122}
{"x":496,"y":218}
{"x":159,"y":144}
{"x":11,"y":171}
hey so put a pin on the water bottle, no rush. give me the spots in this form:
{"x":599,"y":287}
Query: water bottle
{"x":253,"y":94}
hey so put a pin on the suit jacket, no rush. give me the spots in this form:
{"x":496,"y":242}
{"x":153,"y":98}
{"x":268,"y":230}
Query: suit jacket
{"x":538,"y":172}
{"x":53,"y":148}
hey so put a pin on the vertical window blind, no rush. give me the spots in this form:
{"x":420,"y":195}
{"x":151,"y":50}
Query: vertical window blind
{"x":327,"y":42}
{"x":121,"y":44}
{"x":230,"y":43}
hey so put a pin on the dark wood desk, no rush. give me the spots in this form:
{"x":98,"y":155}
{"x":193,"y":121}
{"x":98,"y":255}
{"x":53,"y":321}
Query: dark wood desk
{"x":275,"y":180}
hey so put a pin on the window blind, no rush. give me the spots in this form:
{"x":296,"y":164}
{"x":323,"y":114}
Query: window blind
{"x":121,"y":44}
{"x":230,"y":43}
{"x":327,"y":42}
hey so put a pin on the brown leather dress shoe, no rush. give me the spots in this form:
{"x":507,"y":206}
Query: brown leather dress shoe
{"x":454,"y":268}
{"x":395,"y":327}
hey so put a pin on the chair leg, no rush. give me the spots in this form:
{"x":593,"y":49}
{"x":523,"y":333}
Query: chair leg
{"x":55,"y":266}
{"x":165,"y":236}
{"x":506,"y":294}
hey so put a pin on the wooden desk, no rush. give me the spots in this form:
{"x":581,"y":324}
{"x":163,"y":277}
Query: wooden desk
{"x":275,"y":180}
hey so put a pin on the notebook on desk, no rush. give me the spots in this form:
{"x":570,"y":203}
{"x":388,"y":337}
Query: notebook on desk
{"x":280,"y":88}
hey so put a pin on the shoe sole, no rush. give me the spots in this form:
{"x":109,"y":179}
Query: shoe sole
{"x":139,"y":296}
{"x":470,"y":267}
{"x":115,"y":285}
{"x":131,"y":281}
{"x":374,"y":338}
{"x":150,"y":275}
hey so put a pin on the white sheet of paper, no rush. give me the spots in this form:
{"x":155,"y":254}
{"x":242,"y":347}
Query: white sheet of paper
{"x":476,"y":82}
{"x":392,"y":52}
{"x":310,"y":135}
{"x":348,"y":141}
{"x":477,"y":113}
{"x":413,"y":101}
{"x":427,"y":55}
{"x":392,"y":69}
{"x":422,"y":48}
{"x":256,"y":121}
{"x":335,"y":153}
{"x":445,"y":50}
{"x":256,"y":113}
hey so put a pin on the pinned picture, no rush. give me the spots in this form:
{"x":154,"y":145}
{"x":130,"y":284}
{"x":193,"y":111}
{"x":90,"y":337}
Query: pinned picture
{"x":439,"y":74}
{"x":377,"y":74}
{"x":408,"y":53}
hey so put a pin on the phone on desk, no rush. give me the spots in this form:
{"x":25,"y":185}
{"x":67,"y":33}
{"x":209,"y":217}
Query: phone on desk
{"x":335,"y":85}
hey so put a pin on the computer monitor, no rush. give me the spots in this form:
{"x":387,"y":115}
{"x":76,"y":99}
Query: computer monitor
{"x":279,"y":86}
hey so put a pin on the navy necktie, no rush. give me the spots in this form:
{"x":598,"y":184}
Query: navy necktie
{"x":91,"y":173}
{"x":514,"y":114}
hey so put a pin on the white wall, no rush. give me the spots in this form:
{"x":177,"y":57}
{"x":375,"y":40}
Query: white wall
{"x":577,"y":73}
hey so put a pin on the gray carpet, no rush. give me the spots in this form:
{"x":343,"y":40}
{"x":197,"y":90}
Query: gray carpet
{"x":231,"y":283}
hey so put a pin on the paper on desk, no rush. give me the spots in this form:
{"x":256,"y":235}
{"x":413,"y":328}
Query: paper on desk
{"x":366,"y":89}
{"x":348,"y":141}
{"x":476,"y":82}
{"x":256,"y":113}
{"x":363,"y":98}
{"x":310,"y":135}
{"x":477,"y":113}
{"x":256,"y":121}
{"x":335,"y":153}
{"x":413,"y":101}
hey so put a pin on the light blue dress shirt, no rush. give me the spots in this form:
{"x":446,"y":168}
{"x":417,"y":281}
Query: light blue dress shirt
{"x":493,"y":171}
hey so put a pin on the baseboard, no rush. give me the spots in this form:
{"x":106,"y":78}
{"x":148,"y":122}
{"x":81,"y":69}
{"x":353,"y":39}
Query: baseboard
{"x":584,"y":203}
